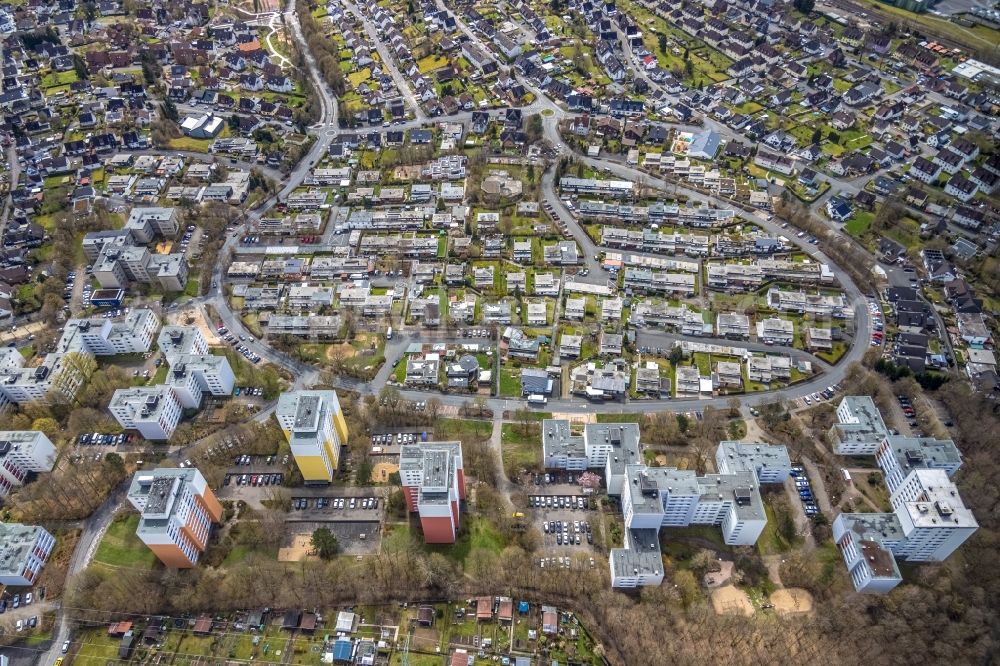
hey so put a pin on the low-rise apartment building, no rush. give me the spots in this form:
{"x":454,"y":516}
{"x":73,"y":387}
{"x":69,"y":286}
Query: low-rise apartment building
{"x":24,"y":550}
{"x":21,"y":453}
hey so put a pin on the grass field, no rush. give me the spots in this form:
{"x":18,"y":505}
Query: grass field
{"x":510,"y":382}
{"x":771,"y":541}
{"x":190,"y":144}
{"x":465,"y":430}
{"x":359,"y":77}
{"x":520,"y":448}
{"x":98,"y":648}
{"x":431,"y":62}
{"x":120,"y":547}
{"x":55,"y":79}
{"x":240,"y":552}
{"x":858,"y":225}
{"x":480,"y":534}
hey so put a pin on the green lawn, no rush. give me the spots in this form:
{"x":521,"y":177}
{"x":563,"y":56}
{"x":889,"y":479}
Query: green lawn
{"x":120,"y":547}
{"x":359,"y":77}
{"x":190,"y":144}
{"x":859,"y":224}
{"x":161,"y":375}
{"x":510,"y":382}
{"x":97,"y":647}
{"x":55,"y":79}
{"x":704,"y":363}
{"x":241,"y":551}
{"x":835,"y":354}
{"x":192,"y":288}
{"x":463,"y":429}
{"x":521,"y":448}
{"x":771,"y":541}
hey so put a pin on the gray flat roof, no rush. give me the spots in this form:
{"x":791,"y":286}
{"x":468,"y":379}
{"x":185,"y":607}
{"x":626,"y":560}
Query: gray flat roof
{"x":874,"y":526}
{"x":307,"y":413}
{"x":913,"y":452}
{"x":436,"y":468}
{"x":740,"y":487}
{"x":870,"y":426}
{"x":558,"y":440}
{"x":641,"y":556}
{"x":159,"y":494}
{"x":748,"y":456}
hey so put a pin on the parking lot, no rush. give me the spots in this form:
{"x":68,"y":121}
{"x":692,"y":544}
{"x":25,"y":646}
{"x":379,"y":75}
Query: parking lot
{"x":103,"y":439}
{"x":386,"y":439}
{"x":815,"y":398}
{"x":564,"y":521}
{"x":567,"y":530}
{"x":805,"y":491}
{"x":334,"y":509}
{"x":237,"y":342}
{"x":257,"y":470}
{"x":257,"y":480}
{"x":567,"y":562}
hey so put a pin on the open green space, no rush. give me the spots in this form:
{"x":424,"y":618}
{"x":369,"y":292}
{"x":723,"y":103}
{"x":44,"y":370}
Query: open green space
{"x":120,"y":547}
{"x":521,"y":447}
{"x":859,"y":224}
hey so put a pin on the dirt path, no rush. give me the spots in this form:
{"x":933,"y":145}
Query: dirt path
{"x":754,"y":432}
{"x":496,"y":445}
{"x":773,"y":564}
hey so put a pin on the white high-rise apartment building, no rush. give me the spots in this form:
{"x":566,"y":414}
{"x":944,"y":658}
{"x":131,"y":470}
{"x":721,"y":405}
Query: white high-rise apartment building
{"x":178,"y":510}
